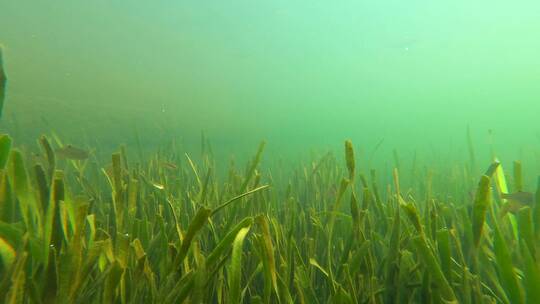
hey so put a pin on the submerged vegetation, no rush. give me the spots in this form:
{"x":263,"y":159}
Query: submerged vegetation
{"x":167,"y":229}
{"x":3,"y":82}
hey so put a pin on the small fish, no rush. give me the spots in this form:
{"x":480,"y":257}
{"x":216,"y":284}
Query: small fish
{"x":153,"y":184}
{"x":168,"y":165}
{"x":3,"y":83}
{"x":70,"y":152}
{"x":36,"y":157}
{"x":525,"y":198}
{"x":516,"y":201}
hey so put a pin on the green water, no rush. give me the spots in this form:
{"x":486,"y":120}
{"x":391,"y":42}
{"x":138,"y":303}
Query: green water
{"x":403,"y":80}
{"x":300,"y":74}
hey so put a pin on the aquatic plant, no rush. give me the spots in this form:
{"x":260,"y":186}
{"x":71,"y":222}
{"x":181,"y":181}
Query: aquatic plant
{"x":166,"y":229}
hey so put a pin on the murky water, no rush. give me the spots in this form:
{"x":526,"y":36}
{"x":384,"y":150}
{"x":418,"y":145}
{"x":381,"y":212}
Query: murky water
{"x":301,"y":75}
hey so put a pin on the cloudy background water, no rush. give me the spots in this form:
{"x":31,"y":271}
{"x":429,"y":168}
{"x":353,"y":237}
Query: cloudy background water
{"x":301,"y":74}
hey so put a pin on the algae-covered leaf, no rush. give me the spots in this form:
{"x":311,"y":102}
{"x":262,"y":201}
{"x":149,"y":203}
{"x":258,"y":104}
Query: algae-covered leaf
{"x":536,"y":210}
{"x":3,"y":82}
{"x":198,"y":293}
{"x":355,"y":214}
{"x":500,"y":180}
{"x":526,"y":229}
{"x":253,"y":166}
{"x":445,"y":254}
{"x":349,"y":158}
{"x":42,"y":186}
{"x":414,"y":217}
{"x":359,"y":255}
{"x":505,"y":265}
{"x":531,"y":272}
{"x":115,"y":273}
{"x":181,"y":289}
{"x":218,"y":208}
{"x":117,"y":177}
{"x":49,"y":152}
{"x":196,"y":224}
{"x":392,"y":262}
{"x":5,"y":147}
{"x":20,"y":176}
{"x":227,"y":241}
{"x":15,"y":294}
{"x":314,"y":263}
{"x":21,"y":187}
{"x":480,"y":207}
{"x":502,"y":187}
{"x":194,"y":169}
{"x":492,"y":169}
{"x":7,"y":253}
{"x":342,"y":297}
{"x":269,"y":250}
{"x":235,"y":270}
{"x":50,"y":288}
{"x":7,"y":201}
{"x":52,"y":225}
{"x":12,"y":234}
{"x":518,"y":176}
{"x":434,"y":268}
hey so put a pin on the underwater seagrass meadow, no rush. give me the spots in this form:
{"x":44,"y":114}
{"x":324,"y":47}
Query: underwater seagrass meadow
{"x":269,"y":151}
